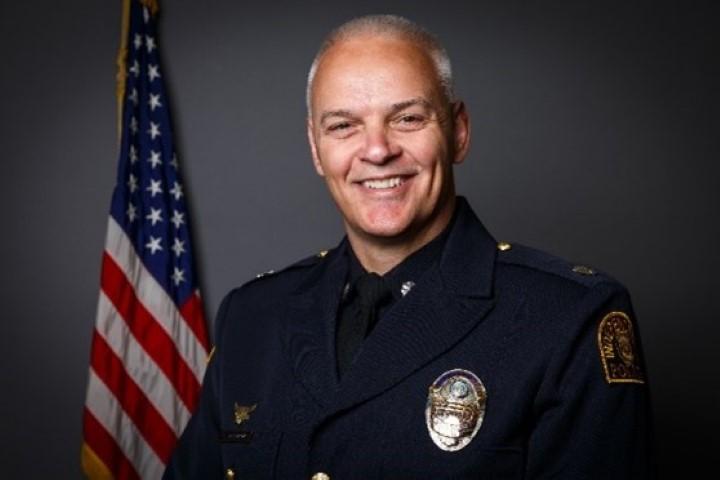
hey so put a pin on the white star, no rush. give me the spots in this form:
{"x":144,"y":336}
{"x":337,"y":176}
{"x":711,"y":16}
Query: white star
{"x":154,"y":159}
{"x":178,"y":247}
{"x":154,"y":102}
{"x":178,"y":218}
{"x":176,"y":191}
{"x":154,"y":244}
{"x":135,"y":69}
{"x":178,"y":276}
{"x":154,"y":188}
{"x":150,"y":43}
{"x":131,"y":212}
{"x":154,"y":216}
{"x":174,"y":162}
{"x":146,"y":14}
{"x":133,"y":97}
{"x":132,"y":183}
{"x":138,"y":41}
{"x":153,"y":72}
{"x":154,"y":130}
{"x":133,"y":154}
{"x":133,"y":125}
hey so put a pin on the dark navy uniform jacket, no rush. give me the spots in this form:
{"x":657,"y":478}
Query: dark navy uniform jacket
{"x":522,"y":321}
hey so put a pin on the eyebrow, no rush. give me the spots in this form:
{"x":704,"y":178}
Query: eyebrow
{"x":394,"y":108}
{"x":336,"y":113}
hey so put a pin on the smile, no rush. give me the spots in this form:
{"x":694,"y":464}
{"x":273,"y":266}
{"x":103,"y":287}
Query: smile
{"x":383,"y":183}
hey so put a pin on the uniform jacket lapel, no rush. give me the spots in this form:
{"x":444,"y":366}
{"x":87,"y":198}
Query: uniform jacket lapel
{"x":446,"y":303}
{"x":310,"y":339}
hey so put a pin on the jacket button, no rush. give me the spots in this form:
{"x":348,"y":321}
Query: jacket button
{"x":320,"y":476}
{"x":229,"y":474}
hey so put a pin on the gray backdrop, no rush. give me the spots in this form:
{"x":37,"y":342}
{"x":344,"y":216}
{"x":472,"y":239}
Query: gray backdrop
{"x":595,"y":137}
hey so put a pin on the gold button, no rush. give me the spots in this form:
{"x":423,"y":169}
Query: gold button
{"x":322,"y":253}
{"x":320,"y":476}
{"x":229,"y":474}
{"x":504,"y":246}
{"x":583,"y":270}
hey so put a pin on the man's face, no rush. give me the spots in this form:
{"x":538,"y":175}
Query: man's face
{"x":384,"y":138}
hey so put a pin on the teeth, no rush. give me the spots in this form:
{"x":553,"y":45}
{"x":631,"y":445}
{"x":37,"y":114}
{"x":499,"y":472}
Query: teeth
{"x":384,"y":183}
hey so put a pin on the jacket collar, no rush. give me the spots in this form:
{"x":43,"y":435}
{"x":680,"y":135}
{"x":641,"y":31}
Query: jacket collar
{"x":445,"y":304}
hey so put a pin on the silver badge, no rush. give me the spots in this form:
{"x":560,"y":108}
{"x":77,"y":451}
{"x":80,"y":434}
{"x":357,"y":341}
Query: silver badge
{"x":455,"y":409}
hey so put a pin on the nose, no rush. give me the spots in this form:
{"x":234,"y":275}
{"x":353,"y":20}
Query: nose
{"x":379,"y":148}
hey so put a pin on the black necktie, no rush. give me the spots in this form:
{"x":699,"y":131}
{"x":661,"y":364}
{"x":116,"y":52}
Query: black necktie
{"x":357,"y":320}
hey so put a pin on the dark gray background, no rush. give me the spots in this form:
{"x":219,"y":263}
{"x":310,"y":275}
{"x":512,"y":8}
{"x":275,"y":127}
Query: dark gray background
{"x":595,"y":137}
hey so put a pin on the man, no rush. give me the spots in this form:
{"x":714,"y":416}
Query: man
{"x":419,"y":347}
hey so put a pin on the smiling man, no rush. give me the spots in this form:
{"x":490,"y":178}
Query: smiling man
{"x":419,"y":347}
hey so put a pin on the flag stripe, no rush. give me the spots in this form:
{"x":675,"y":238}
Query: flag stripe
{"x":124,"y":433}
{"x":152,"y":426}
{"x":192,"y":312}
{"x":140,"y":367}
{"x":156,"y":300}
{"x":105,"y":448}
{"x":149,"y":334}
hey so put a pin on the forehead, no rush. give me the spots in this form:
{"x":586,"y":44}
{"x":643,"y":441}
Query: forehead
{"x":374,"y":69}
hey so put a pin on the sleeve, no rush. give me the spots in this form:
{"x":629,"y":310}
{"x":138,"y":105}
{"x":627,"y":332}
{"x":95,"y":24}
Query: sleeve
{"x":197,"y":453}
{"x":592,"y":417}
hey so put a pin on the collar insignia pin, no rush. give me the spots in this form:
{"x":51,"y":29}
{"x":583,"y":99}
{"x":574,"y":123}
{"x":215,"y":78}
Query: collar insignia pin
{"x":406,"y":287}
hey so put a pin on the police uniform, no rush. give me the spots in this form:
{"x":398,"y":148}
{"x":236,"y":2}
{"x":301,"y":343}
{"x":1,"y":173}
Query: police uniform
{"x":501,"y":362}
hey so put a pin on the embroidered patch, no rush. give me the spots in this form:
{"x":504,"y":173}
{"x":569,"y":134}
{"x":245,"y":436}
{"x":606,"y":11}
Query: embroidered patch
{"x":618,"y":350}
{"x":455,"y":409}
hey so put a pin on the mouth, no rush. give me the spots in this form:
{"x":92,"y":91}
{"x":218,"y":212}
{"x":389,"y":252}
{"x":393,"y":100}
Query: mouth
{"x":383,"y":183}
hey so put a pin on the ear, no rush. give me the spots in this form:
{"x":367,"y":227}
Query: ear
{"x":313,"y":147}
{"x":461,"y":131}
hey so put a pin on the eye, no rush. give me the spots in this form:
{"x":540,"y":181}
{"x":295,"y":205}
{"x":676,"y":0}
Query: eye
{"x":336,"y":127}
{"x":341,"y":129}
{"x":409,"y":121}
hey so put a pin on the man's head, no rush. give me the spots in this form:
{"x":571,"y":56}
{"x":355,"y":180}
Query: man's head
{"x":385,"y":131}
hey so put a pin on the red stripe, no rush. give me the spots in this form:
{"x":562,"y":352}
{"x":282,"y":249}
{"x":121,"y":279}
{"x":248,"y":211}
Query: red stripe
{"x":145,"y":416}
{"x":105,"y":447}
{"x":192,"y":312}
{"x":149,"y":333}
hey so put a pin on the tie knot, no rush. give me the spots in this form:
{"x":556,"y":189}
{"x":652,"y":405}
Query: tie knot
{"x":372,"y":290}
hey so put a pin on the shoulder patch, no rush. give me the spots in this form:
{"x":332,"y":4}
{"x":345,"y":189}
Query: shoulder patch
{"x":544,"y":262}
{"x":618,"y":349}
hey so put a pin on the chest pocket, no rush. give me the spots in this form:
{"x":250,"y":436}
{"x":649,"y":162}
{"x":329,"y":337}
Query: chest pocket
{"x":250,"y":455}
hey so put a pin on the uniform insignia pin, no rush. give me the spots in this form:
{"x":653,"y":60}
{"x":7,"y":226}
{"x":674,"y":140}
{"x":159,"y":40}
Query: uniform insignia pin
{"x":618,"y":353}
{"x":406,"y":287}
{"x":455,"y":409}
{"x":242,"y":412}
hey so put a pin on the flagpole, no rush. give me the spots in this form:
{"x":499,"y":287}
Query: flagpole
{"x":121,"y":76}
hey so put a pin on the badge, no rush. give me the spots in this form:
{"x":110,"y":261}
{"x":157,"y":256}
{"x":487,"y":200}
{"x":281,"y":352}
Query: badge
{"x":455,"y":409}
{"x":242,"y":412}
{"x":618,"y":352}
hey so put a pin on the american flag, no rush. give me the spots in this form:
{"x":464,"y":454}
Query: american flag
{"x":150,"y":343}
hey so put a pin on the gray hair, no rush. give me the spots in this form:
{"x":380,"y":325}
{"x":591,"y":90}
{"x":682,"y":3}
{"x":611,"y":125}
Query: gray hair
{"x":391,"y":25}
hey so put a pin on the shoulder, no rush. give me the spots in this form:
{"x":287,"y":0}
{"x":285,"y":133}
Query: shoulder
{"x":277,"y":281}
{"x":272,"y":284}
{"x":526,"y":263}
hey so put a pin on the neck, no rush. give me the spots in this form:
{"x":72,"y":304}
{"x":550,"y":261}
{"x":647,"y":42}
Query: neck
{"x":382,"y":254}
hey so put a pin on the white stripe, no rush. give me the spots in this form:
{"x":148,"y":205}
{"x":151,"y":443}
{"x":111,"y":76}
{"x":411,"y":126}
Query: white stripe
{"x":140,"y":367}
{"x":105,"y":407}
{"x":155,"y":299}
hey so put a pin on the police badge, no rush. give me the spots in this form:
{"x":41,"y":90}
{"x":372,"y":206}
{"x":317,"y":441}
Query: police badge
{"x":455,"y":409}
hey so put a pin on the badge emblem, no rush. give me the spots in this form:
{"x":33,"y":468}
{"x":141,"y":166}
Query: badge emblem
{"x":455,"y":409}
{"x":242,"y":412}
{"x":618,"y":353}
